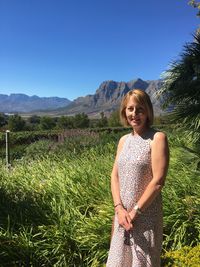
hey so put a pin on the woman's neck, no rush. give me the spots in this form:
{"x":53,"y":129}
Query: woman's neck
{"x":140,"y":131}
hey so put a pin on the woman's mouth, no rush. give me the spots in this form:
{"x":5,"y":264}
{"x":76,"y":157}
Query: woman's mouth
{"x":134,"y":120}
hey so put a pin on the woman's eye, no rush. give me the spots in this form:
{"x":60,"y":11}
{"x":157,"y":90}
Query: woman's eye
{"x":140,"y":110}
{"x":137,"y":110}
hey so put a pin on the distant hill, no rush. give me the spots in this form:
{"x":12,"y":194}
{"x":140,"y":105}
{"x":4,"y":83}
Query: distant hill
{"x":24,"y":103}
{"x":108,"y":97}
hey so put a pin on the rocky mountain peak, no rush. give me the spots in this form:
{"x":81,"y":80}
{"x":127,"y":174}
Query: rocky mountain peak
{"x":108,"y":97}
{"x":138,"y":84}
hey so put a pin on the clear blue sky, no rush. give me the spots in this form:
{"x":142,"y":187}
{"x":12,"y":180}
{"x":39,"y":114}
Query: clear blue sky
{"x":66,"y":48}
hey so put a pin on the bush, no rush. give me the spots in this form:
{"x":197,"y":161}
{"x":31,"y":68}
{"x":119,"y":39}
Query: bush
{"x":181,"y":197}
{"x":185,"y":257}
{"x":39,"y":149}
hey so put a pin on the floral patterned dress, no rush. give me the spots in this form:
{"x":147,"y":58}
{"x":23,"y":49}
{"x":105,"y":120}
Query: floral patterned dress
{"x":145,"y":239}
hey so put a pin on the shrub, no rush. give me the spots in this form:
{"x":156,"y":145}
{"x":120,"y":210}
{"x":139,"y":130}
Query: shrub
{"x":184,"y":257}
{"x":39,"y":148}
{"x":181,"y":197}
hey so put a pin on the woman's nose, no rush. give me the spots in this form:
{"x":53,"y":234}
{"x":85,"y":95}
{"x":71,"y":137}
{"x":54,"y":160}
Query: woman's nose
{"x":133,"y":112}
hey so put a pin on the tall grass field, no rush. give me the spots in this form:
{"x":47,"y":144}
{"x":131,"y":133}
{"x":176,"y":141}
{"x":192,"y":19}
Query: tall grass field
{"x":56,"y":207}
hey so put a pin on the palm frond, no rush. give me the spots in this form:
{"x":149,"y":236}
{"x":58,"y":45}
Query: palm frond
{"x":181,"y":88}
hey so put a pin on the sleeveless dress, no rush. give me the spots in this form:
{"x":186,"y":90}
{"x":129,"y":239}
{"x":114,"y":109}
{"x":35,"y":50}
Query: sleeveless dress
{"x":145,"y":239}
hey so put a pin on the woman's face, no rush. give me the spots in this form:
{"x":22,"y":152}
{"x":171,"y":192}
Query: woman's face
{"x":136,"y":114}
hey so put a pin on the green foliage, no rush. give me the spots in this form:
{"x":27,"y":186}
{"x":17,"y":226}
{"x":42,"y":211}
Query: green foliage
{"x":114,"y":119}
{"x":39,"y":148}
{"x":184,"y":257}
{"x":81,"y":120}
{"x":162,"y":121}
{"x":3,"y":119}
{"x":182,"y":199}
{"x":34,"y":119}
{"x":103,"y":121}
{"x":181,"y":90}
{"x":65,"y":122}
{"x":56,"y":210}
{"x":27,"y":137}
{"x":20,"y":141}
{"x":47,"y":123}
{"x":16,"y":123}
{"x":48,"y":201}
{"x":71,"y":141}
{"x":195,"y":4}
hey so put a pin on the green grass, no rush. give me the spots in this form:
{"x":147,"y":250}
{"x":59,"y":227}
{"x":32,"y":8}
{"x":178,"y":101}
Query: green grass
{"x":46,"y":204}
{"x":56,"y":208}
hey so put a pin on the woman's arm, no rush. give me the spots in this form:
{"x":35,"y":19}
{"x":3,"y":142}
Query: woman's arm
{"x":123,"y":216}
{"x":160,"y":162}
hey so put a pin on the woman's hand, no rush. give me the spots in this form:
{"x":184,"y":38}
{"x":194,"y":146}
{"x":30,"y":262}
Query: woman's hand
{"x":133,"y":215}
{"x":124,"y":218}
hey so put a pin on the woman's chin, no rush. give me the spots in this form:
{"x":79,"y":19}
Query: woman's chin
{"x":135,"y":123}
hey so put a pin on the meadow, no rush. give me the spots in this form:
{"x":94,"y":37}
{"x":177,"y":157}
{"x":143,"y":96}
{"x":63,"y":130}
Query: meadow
{"x":56,"y":206}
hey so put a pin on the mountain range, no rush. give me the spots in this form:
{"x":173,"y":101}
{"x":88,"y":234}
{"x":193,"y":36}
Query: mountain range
{"x":107,"y":98}
{"x":23,"y":103}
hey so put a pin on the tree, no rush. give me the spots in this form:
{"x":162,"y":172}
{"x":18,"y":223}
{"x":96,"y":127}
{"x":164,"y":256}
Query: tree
{"x":103,"y":121}
{"x":65,"y":122}
{"x":3,"y":119}
{"x":16,"y":123}
{"x":181,"y":89}
{"x":114,"y":119}
{"x":81,"y":120}
{"x":195,"y":4}
{"x":34,"y":119}
{"x":47,"y":123}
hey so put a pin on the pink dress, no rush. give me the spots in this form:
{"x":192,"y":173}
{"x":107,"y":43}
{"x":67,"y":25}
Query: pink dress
{"x":135,"y":173}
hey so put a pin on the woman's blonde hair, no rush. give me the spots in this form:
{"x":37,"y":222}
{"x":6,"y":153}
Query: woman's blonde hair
{"x":142,"y":98}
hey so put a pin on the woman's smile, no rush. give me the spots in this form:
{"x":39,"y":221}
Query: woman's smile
{"x":136,"y":114}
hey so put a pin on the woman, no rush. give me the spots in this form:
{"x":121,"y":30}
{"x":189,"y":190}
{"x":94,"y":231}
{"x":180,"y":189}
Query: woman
{"x":137,"y":178}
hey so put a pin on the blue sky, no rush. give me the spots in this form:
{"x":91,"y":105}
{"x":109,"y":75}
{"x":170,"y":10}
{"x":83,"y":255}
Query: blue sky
{"x":66,"y":48}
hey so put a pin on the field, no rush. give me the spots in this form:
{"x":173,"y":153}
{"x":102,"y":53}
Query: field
{"x":56,"y":207}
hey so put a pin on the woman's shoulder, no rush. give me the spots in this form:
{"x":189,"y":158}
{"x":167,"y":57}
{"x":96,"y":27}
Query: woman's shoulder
{"x":159,"y":135}
{"x":159,"y":138}
{"x":156,"y":134}
{"x":123,"y":139}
